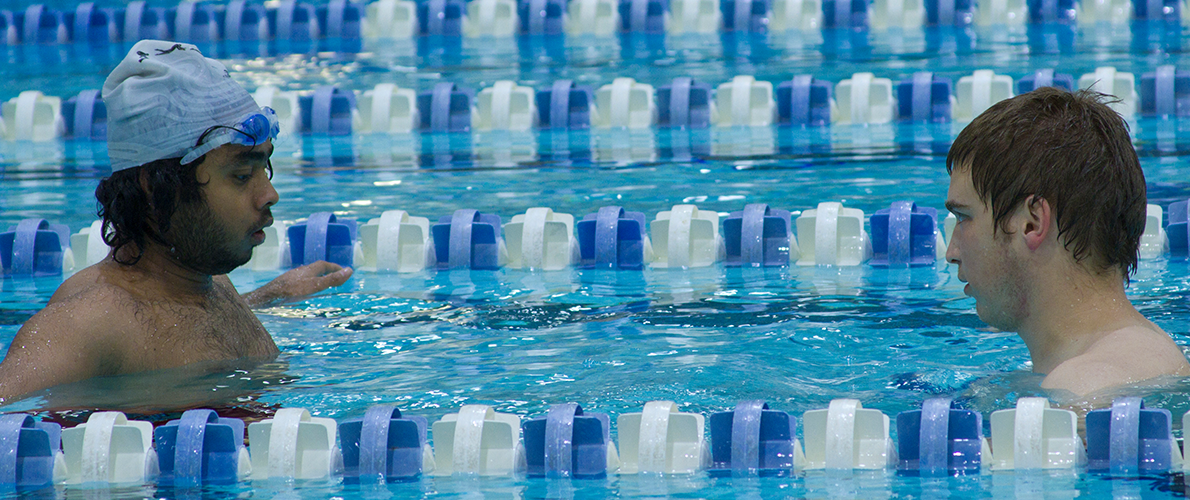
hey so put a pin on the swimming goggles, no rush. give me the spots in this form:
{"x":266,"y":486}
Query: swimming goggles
{"x":254,"y":130}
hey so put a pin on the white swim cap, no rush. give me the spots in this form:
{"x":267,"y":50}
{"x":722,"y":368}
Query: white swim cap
{"x":162,"y":97}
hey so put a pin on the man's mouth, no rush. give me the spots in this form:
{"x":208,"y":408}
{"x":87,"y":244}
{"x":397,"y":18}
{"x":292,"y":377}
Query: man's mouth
{"x":260,"y":227}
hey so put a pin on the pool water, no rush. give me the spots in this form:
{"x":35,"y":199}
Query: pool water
{"x":706,"y":338}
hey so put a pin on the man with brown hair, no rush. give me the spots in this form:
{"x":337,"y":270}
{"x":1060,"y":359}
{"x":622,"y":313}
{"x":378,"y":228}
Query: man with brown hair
{"x":1050,"y":201}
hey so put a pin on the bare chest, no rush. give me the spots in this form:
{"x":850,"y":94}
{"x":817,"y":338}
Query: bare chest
{"x":222,"y":327}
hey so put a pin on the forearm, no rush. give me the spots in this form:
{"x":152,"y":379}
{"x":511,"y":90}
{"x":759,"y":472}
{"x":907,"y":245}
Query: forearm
{"x":264,"y":296}
{"x":298,"y":283}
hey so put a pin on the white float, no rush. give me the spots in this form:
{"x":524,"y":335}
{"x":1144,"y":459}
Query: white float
{"x":294,"y":445}
{"x":864,"y":99}
{"x":32,"y":116}
{"x":624,"y":103}
{"x":1120,"y":84}
{"x":387,"y":109}
{"x":396,"y":241}
{"x":478,"y":441}
{"x":977,"y":92}
{"x":491,"y":18}
{"x":832,"y":235}
{"x":506,"y":106}
{"x":745,"y":102}
{"x":662,"y":440}
{"x":1035,"y":436}
{"x":109,"y":448}
{"x":390,"y":19}
{"x":846,"y":436}
{"x":686,"y":237}
{"x":541,"y":239}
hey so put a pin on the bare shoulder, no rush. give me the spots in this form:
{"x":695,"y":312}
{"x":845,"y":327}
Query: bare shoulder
{"x":81,"y":333}
{"x":1125,"y":356}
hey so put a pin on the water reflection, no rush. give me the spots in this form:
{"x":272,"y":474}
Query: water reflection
{"x":232,"y":387}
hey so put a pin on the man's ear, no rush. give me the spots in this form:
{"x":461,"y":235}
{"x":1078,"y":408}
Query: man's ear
{"x":142,"y":178}
{"x":1037,"y":224}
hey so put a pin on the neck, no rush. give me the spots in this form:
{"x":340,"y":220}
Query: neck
{"x":1068,"y":314}
{"x":170,"y":277}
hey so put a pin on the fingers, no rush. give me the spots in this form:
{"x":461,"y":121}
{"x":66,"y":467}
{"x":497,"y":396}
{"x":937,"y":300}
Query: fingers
{"x":335,"y":278}
{"x":322,"y":268}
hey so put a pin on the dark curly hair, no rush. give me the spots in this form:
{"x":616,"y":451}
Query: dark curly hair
{"x":129,"y":213}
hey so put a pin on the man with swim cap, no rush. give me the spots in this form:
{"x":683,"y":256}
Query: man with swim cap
{"x":1050,"y":201}
{"x":189,"y":196}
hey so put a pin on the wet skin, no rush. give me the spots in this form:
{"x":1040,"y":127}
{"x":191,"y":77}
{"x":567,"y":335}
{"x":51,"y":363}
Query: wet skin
{"x":174,"y":306}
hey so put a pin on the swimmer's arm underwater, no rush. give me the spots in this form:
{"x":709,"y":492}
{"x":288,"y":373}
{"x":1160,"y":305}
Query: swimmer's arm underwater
{"x":298,"y":282}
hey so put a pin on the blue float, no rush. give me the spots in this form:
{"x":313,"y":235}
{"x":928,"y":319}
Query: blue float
{"x":753,"y":439}
{"x":340,"y":19}
{"x":1052,"y":11}
{"x":85,"y":116}
{"x":904,"y":235}
{"x":244,"y":22}
{"x":195,"y":22}
{"x":643,"y":16}
{"x":1129,"y":439}
{"x":294,"y":21}
{"x":34,"y":247}
{"x":959,"y":13}
{"x":804,"y":101}
{"x":383,"y":444}
{"x":44,"y":25}
{"x":567,"y":443}
{"x":757,"y":236}
{"x":28,"y":450}
{"x":323,"y":237}
{"x":745,"y":15}
{"x":1177,"y":228}
{"x":684,"y":103}
{"x":327,"y":112}
{"x":1045,"y":77}
{"x":1165,"y":92}
{"x":845,"y":14}
{"x":467,"y":239}
{"x":924,"y":98}
{"x":441,"y":17}
{"x":541,"y":17}
{"x":200,"y":448}
{"x":564,"y":106}
{"x":1169,"y":11}
{"x":142,"y":22}
{"x":446,"y":108}
{"x":93,"y":25}
{"x":940,"y":439}
{"x":612,"y":238}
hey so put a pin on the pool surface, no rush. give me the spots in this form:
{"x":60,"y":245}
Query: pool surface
{"x":705,"y":338}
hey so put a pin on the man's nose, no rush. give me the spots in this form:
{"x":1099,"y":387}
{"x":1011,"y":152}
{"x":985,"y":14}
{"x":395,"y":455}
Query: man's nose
{"x":952,"y":252}
{"x":269,"y":197}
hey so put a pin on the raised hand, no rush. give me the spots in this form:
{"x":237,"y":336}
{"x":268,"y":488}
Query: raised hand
{"x":299,"y":282}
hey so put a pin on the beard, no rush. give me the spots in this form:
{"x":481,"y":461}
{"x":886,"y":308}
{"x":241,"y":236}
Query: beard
{"x":198,"y":242}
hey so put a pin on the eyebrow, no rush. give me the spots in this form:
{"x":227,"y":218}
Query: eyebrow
{"x":255,"y":155}
{"x":955,"y":206}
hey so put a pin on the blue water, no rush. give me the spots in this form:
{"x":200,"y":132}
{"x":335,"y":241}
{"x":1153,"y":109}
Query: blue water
{"x":611,"y":341}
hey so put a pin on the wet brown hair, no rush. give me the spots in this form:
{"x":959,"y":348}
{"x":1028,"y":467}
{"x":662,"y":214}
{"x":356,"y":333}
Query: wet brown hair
{"x":1070,"y":149}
